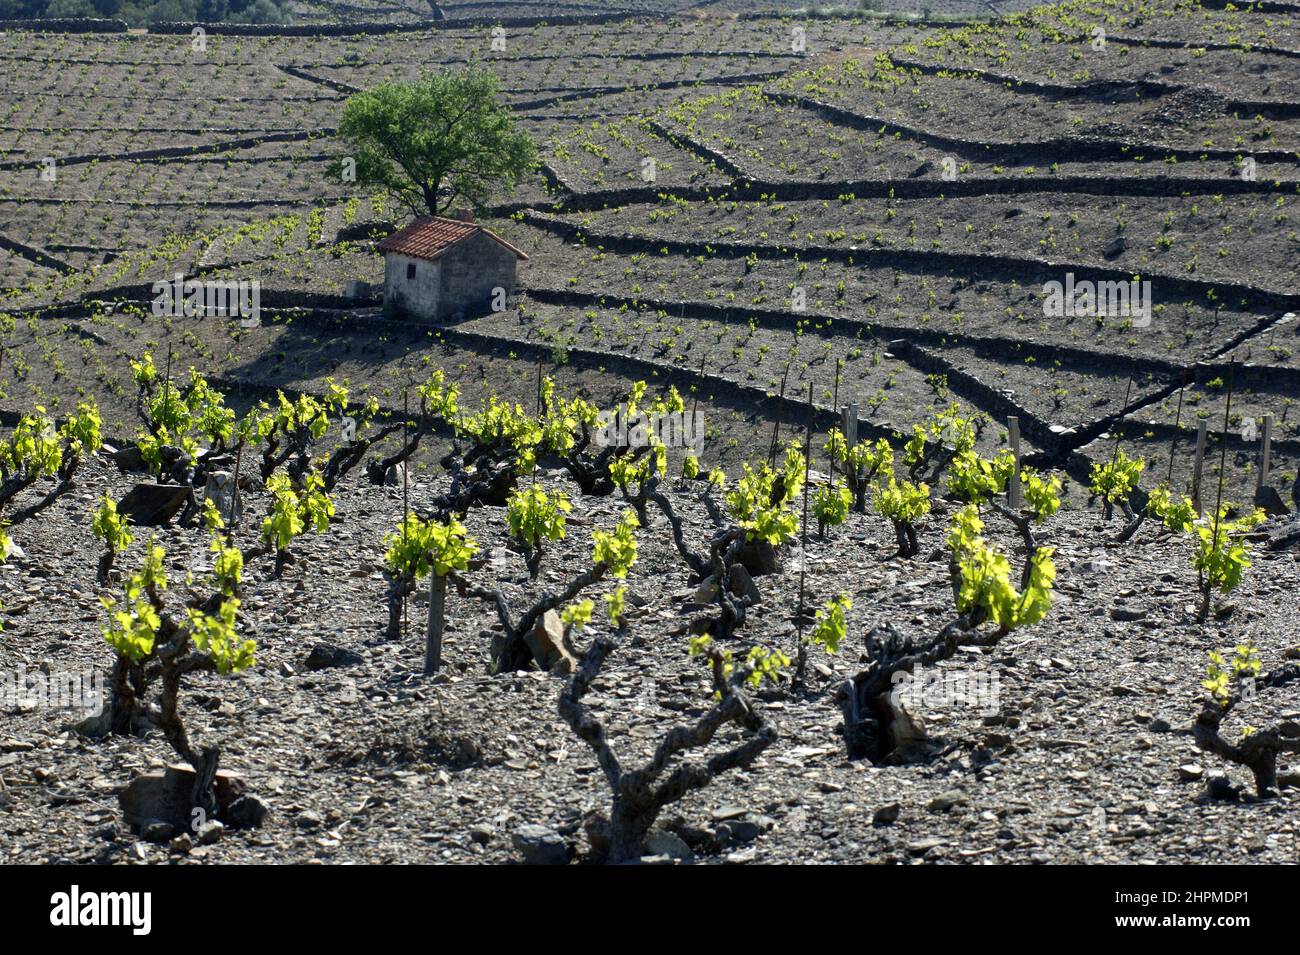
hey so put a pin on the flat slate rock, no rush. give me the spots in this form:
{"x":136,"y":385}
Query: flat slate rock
{"x":150,"y":505}
{"x":326,"y":655}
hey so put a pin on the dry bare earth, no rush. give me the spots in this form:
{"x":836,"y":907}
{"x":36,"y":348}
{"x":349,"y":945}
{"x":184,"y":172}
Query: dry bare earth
{"x":373,"y":762}
{"x":772,"y":172}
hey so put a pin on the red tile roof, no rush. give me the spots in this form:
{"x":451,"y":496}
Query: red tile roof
{"x":430,"y":237}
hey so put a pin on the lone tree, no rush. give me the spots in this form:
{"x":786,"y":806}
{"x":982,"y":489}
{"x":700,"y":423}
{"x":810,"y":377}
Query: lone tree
{"x":436,"y":142}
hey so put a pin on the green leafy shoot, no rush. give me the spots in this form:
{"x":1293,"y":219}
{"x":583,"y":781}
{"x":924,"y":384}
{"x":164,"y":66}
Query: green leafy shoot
{"x":294,"y":511}
{"x":214,"y":635}
{"x":419,"y":547}
{"x":975,"y":479}
{"x":1220,"y":675}
{"x":762,"y":663}
{"x":831,"y":505}
{"x":904,"y":503}
{"x":830,"y":627}
{"x":986,"y":590}
{"x":617,"y":551}
{"x":111,"y":527}
{"x":872,"y":459}
{"x":1042,"y":495}
{"x":576,"y":616}
{"x":212,"y":518}
{"x":751,"y":505}
{"x":1177,"y":515}
{"x":227,"y":566}
{"x":1115,"y":481}
{"x":133,"y":628}
{"x":533,"y":515}
{"x":1220,"y":554}
{"x":835,"y":446}
{"x":614,"y":607}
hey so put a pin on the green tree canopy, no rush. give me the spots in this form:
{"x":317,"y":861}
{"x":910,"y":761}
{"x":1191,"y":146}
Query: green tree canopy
{"x":441,"y":140}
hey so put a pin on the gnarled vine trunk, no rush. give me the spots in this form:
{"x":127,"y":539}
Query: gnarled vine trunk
{"x":638,"y":796}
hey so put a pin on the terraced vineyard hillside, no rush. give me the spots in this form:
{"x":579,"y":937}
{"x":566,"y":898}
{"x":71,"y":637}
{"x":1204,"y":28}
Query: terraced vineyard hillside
{"x":804,"y":228}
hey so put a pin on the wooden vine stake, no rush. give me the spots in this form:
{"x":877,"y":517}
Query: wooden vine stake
{"x":1014,"y":496}
{"x":1265,"y":450}
{"x":1198,"y":466}
{"x":801,"y":657}
{"x":849,"y":425}
{"x":434,"y":627}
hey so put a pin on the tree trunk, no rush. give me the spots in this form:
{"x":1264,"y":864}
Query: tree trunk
{"x":628,"y":827}
{"x":124,"y":702}
{"x":1131,"y":528}
{"x":905,"y":535}
{"x":1265,"y":771}
{"x":1207,"y":590}
{"x":398,"y":587}
{"x":105,"y":565}
{"x":759,"y":558}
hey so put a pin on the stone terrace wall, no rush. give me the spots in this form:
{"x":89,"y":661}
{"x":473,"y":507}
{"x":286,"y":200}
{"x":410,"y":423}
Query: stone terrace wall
{"x":349,"y":29}
{"x":68,"y":25}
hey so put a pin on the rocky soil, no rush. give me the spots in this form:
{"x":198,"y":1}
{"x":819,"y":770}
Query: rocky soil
{"x":1087,"y":759}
